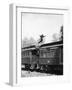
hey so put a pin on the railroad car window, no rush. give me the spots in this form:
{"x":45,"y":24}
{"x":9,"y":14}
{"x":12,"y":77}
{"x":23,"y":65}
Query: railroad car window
{"x":26,"y":53}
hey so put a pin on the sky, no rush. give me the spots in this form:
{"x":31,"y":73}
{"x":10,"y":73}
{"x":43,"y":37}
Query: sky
{"x":33,"y":25}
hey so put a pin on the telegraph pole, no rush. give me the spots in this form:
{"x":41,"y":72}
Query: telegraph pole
{"x":38,"y":48}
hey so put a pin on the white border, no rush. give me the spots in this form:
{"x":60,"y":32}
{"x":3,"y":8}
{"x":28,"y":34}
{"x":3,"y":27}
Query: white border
{"x":15,"y":62}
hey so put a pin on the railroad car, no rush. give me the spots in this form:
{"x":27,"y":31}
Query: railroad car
{"x":46,"y":58}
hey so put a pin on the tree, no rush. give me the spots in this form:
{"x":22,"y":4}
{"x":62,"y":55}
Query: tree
{"x":55,"y":37}
{"x":61,"y":34}
{"x":28,"y":42}
{"x":58,"y":37}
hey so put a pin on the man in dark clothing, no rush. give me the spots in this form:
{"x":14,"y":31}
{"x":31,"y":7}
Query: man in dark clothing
{"x":41,"y":38}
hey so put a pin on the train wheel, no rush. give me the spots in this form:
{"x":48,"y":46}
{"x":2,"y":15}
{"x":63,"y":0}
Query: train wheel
{"x":23,"y":67}
{"x":38,"y":68}
{"x":41,"y":68}
{"x":32,"y":67}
